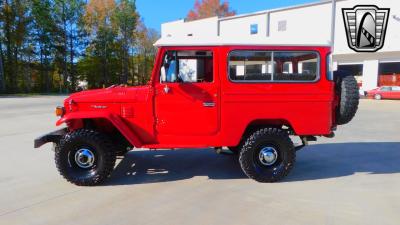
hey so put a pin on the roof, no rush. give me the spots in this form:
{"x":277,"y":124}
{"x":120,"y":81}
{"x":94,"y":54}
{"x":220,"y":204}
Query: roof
{"x":219,"y":42}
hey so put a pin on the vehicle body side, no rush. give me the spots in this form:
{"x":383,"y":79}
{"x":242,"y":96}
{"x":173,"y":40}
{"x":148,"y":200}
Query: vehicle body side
{"x":386,"y":92}
{"x":206,"y":114}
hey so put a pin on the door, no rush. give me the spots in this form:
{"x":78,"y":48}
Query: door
{"x":385,"y":92}
{"x":396,"y":92}
{"x":187,"y":96}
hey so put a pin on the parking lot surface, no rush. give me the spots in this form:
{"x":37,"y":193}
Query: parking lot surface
{"x":351,"y":179}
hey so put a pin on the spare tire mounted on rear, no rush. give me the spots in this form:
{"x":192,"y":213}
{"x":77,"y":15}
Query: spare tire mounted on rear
{"x":348,"y":92}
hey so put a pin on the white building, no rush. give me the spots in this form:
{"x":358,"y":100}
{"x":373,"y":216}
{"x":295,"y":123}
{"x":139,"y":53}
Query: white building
{"x":308,"y":24}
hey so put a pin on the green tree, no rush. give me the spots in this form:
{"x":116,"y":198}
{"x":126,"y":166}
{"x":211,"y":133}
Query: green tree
{"x":125,"y":18}
{"x":146,"y":52}
{"x":70,"y":37}
{"x":102,"y":34}
{"x":2,"y":78}
{"x":14,"y":22}
{"x":44,"y":30}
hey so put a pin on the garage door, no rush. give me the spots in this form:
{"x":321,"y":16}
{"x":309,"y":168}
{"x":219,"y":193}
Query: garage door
{"x":389,"y":74}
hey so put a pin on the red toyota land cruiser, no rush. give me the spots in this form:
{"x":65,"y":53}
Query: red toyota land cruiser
{"x":250,"y":99}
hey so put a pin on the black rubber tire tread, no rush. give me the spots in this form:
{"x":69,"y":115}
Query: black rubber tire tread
{"x":275,"y":135}
{"x":349,"y":99}
{"x":103,"y":145}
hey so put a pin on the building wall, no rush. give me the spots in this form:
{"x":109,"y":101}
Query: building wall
{"x":240,"y":28}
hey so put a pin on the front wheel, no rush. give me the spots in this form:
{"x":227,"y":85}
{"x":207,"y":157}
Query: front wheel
{"x":378,"y":97}
{"x":85,"y":157}
{"x":268,"y":155}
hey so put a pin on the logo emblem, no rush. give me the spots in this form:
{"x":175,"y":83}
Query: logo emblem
{"x":366,"y":27}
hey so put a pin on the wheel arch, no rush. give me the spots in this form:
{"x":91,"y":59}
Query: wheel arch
{"x":264,"y":123}
{"x":106,"y":121}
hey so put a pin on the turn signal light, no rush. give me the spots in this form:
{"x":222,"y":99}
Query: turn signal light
{"x":60,"y":111}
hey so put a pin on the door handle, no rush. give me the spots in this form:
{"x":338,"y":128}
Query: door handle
{"x":166,"y":89}
{"x":209,"y":104}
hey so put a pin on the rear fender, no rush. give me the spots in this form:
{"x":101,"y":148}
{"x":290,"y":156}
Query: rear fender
{"x":115,"y":120}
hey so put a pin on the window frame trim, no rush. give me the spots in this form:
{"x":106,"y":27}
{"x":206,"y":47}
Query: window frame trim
{"x":177,"y":67}
{"x":272,"y":81}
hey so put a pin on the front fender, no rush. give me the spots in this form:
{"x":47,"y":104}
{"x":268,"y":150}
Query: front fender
{"x":115,"y":120}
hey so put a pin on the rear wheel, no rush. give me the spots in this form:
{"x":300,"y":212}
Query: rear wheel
{"x":378,"y":97}
{"x":268,"y":155}
{"x":85,"y":157}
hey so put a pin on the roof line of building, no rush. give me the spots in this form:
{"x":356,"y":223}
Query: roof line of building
{"x":278,"y":10}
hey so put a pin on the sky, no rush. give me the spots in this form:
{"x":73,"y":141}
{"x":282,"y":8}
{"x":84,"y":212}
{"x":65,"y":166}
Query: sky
{"x":156,"y":12}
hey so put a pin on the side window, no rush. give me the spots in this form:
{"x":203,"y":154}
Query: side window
{"x":269,"y":66}
{"x":395,"y":88}
{"x":250,"y":65}
{"x":295,"y":66}
{"x":187,"y":67}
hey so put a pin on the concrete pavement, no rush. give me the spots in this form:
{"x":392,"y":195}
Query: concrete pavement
{"x":352,"y":179}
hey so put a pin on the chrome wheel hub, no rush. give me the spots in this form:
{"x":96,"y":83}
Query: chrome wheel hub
{"x":84,"y":158}
{"x":268,"y":156}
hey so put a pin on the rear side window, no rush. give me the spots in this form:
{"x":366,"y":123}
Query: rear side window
{"x":250,"y":65}
{"x":273,"y":66}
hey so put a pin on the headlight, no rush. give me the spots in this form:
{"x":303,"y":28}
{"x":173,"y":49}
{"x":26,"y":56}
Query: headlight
{"x":60,"y":111}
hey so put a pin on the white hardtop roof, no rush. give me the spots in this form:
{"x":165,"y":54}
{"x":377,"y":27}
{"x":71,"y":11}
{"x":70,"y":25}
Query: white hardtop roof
{"x":220,"y":42}
{"x":180,"y":34}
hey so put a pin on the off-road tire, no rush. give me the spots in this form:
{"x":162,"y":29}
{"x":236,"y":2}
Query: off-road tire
{"x":104,"y":152}
{"x":348,"y":91}
{"x":265,"y":137}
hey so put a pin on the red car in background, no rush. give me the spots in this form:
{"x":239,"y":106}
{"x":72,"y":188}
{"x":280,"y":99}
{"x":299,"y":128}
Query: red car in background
{"x":384,"y":92}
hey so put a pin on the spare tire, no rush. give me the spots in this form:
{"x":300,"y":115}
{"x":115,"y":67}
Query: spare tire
{"x":349,"y":97}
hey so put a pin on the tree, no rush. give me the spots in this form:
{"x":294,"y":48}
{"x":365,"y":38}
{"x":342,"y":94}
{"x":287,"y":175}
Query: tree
{"x":2,"y":78}
{"x":146,"y":52}
{"x":44,"y":30}
{"x":126,"y":20}
{"x":209,"y":8}
{"x":50,"y":45}
{"x":14,"y":20}
{"x":68,"y":17}
{"x":102,"y":33}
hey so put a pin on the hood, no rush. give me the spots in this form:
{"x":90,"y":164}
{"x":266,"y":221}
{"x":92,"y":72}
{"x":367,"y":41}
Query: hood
{"x":111,"y":95}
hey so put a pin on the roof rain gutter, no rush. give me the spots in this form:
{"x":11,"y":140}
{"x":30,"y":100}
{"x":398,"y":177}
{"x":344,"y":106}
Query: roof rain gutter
{"x":333,"y":25}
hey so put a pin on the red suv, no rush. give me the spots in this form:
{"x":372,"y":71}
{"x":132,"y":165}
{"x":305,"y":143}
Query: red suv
{"x":251,"y":99}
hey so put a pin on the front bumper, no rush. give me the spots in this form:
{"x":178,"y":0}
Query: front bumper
{"x":54,"y":137}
